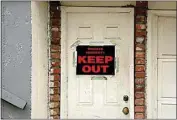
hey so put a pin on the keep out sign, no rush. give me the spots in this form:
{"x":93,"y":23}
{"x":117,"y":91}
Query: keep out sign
{"x":95,"y":60}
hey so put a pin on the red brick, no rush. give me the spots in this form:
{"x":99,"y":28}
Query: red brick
{"x":54,"y":104}
{"x":140,"y":19}
{"x":56,"y":117}
{"x":55,"y":64}
{"x":55,"y":34}
{"x":140,"y":55}
{"x":55,"y":7}
{"x":139,"y":116}
{"x":55,"y":70}
{"x":54,"y":3}
{"x":54,"y":98}
{"x":140,"y":68}
{"x":140,"y":26}
{"x":141,"y":4}
{"x":54,"y":111}
{"x":55,"y":14}
{"x":139,"y":88}
{"x":140,"y":47}
{"x":139,"y":109}
{"x":54,"y":91}
{"x":139,"y":95}
{"x":55,"y":29}
{"x":139,"y":101}
{"x":56,"y":83}
{"x":139,"y":81}
{"x":140,"y":33}
{"x":140,"y":40}
{"x":55,"y":55}
{"x":56,"y":23}
{"x":141,"y":11}
{"x":55,"y":48}
{"x":140,"y":74}
{"x":55,"y":41}
{"x":56,"y":77}
{"x":140,"y":61}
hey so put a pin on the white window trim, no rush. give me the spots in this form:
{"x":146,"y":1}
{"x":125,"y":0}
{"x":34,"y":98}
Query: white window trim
{"x":152,"y":61}
{"x":64,"y":85}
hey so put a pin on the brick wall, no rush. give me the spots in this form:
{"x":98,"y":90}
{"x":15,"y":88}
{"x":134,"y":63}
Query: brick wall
{"x":140,"y":51}
{"x":140,"y":42}
{"x":54,"y":79}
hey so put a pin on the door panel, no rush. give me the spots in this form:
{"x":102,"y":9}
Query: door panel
{"x":166,"y":110}
{"x":167,"y":78}
{"x":166,"y":37}
{"x":166,"y":75}
{"x":84,"y":91}
{"x":89,"y":97}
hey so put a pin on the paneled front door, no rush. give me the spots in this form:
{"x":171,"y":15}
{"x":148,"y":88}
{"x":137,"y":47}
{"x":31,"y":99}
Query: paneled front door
{"x":100,"y":96}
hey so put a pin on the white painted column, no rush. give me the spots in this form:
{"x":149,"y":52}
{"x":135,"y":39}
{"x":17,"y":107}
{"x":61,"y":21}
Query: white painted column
{"x":39,"y":98}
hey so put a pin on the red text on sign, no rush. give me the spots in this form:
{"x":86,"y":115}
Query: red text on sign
{"x":95,"y":68}
{"x":94,"y":59}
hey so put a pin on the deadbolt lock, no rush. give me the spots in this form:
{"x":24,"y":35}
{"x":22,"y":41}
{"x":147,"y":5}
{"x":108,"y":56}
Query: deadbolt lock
{"x":125,"y":98}
{"x":125,"y":110}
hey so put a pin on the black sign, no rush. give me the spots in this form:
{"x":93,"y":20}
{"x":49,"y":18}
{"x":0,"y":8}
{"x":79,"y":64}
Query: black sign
{"x":95,"y":60}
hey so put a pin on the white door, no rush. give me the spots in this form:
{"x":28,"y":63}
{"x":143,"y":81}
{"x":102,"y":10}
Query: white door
{"x":166,"y":72}
{"x":91,"y":97}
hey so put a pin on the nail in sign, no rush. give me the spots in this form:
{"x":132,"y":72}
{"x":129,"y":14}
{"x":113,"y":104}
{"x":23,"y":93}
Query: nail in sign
{"x":95,"y":60}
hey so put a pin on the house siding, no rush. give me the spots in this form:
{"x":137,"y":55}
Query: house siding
{"x":16,"y":57}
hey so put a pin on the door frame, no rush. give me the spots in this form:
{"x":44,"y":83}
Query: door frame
{"x":152,"y":67}
{"x":64,"y":78}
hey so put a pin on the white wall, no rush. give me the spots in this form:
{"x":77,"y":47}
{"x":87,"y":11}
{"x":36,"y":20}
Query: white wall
{"x":40,"y":47}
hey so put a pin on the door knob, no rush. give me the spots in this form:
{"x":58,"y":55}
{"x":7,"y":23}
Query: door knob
{"x":125,"y":98}
{"x":125,"y":110}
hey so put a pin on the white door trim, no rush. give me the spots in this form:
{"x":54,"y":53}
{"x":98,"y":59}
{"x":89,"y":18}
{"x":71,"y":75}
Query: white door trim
{"x":40,"y":60}
{"x":64,"y":82}
{"x":152,"y":61}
